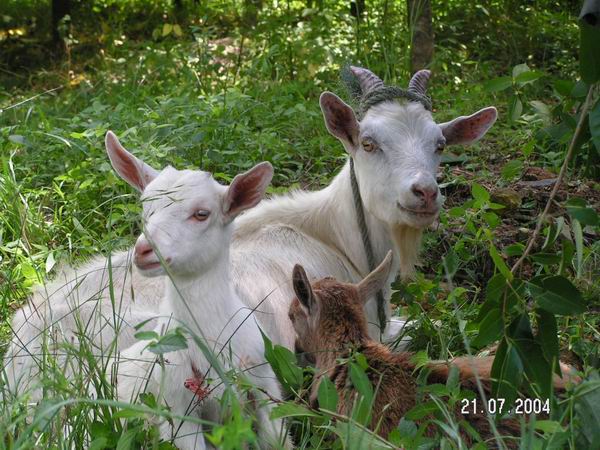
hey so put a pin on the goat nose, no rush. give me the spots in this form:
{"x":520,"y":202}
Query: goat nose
{"x":143,"y":248}
{"x":428,"y":193}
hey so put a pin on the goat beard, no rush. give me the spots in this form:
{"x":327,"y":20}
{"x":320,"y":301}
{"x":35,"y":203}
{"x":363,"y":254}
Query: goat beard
{"x":407,"y":242}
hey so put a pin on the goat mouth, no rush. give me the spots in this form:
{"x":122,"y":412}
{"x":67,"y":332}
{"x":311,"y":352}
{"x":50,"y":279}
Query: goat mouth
{"x":150,"y":265}
{"x":425,"y":214}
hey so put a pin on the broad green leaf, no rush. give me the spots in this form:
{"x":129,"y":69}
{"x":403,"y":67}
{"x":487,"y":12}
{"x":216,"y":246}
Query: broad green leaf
{"x":520,"y":69}
{"x":546,"y":259}
{"x":289,"y":409}
{"x":537,"y":367}
{"x":594,"y":118}
{"x":512,"y":169}
{"x":564,"y":87}
{"x":490,"y":328}
{"x":548,"y":426}
{"x":547,"y":334}
{"x":98,"y":444}
{"x":506,"y":372}
{"x":327,"y":395}
{"x":498,"y":84}
{"x":589,"y":53}
{"x":146,"y":335}
{"x":515,"y":108}
{"x":361,"y":381}
{"x":528,"y":77}
{"x":286,"y":367}
{"x":170,"y":342}
{"x":127,"y":439}
{"x":421,"y":410}
{"x":480,"y":193}
{"x":499,"y":263}
{"x":166,"y":29}
{"x":557,"y":295}
{"x":578,"y":209}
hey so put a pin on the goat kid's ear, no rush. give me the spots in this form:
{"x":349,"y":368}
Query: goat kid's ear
{"x":376,"y":280}
{"x":133,"y":170}
{"x":303,"y":289}
{"x":247,"y":189}
{"x":469,"y":129}
{"x":340,"y":120}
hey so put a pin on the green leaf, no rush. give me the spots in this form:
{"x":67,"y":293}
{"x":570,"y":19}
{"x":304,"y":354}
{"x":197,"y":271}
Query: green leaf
{"x":490,"y":328}
{"x":519,"y":70}
{"x":284,"y":363}
{"x":528,"y":77}
{"x":327,"y":395}
{"x":166,"y":29}
{"x":499,"y":263}
{"x":98,"y":443}
{"x":497,"y":84}
{"x":506,"y":372}
{"x":512,"y":169}
{"x":127,"y":438}
{"x":548,"y":426}
{"x":564,"y":87}
{"x":146,"y":335}
{"x":578,"y":209}
{"x":537,"y":367}
{"x":289,"y":409}
{"x":557,"y":295}
{"x":361,"y":381}
{"x":594,"y":118}
{"x":589,"y":53}
{"x":421,"y":410}
{"x":547,"y":334}
{"x":515,"y":108}
{"x":170,"y":342}
{"x":480,"y":193}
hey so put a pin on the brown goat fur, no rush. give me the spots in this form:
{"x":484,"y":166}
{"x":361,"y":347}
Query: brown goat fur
{"x":330,"y":324}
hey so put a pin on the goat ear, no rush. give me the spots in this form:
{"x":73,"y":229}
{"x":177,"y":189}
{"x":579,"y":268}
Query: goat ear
{"x":376,"y":280}
{"x":340,"y":120}
{"x":469,"y":129}
{"x":247,"y":189}
{"x":133,"y":170}
{"x":302,"y":288}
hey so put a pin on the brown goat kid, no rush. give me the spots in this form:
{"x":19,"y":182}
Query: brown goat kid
{"x":330,"y":323}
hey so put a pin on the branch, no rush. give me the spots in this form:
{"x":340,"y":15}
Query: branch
{"x":561,"y":176}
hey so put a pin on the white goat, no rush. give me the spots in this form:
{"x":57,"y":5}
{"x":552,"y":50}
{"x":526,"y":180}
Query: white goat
{"x":188,"y":223}
{"x":396,"y":149}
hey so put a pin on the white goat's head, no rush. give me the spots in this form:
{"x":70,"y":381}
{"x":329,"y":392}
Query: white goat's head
{"x":397,"y":149}
{"x":187,"y":215}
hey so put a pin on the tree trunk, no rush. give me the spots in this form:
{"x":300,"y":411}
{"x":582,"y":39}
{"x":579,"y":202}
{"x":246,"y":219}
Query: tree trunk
{"x":357,"y":7}
{"x":60,"y":8}
{"x":419,"y":22}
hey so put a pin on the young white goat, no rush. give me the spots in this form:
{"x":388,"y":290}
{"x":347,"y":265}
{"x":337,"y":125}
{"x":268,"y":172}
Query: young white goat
{"x":188,"y":224}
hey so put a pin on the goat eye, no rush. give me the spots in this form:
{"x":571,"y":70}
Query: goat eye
{"x":440,"y":146}
{"x":368,"y":145}
{"x":201,"y":215}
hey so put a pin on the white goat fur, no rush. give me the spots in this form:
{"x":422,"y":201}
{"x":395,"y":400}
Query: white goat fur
{"x":199,"y":293}
{"x":319,"y":229}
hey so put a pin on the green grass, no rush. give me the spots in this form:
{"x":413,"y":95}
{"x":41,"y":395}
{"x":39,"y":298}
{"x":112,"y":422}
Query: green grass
{"x":198,"y":102}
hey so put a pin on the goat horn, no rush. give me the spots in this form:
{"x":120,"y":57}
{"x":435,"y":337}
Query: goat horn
{"x":418,"y":82}
{"x":367,"y":79}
